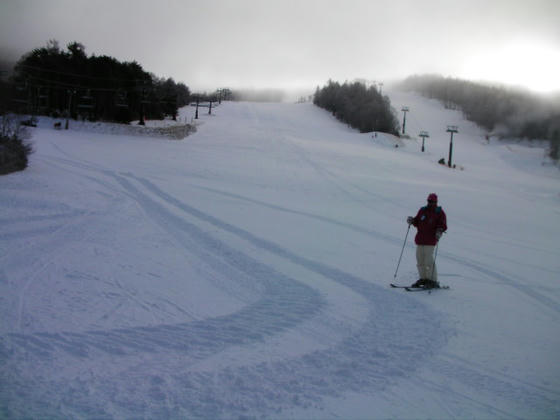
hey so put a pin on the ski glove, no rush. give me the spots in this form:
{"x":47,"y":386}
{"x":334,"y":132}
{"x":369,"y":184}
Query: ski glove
{"x":439,"y":232}
{"x":409,"y":220}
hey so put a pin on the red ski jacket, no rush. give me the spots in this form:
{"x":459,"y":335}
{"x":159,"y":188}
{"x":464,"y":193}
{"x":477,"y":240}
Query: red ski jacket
{"x":428,"y":221}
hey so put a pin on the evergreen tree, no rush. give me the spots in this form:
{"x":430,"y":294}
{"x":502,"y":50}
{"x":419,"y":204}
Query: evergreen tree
{"x":358,"y":106}
{"x":52,"y":81}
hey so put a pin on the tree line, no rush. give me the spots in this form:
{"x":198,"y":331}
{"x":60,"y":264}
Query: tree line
{"x":359,"y":106}
{"x":57,"y":82}
{"x":505,"y":112}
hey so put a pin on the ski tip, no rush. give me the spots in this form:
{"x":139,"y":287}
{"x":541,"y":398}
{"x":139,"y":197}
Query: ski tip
{"x":397,"y":286}
{"x":423,"y":289}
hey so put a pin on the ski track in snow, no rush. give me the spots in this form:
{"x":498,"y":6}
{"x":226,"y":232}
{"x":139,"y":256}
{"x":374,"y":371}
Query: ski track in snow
{"x":363,"y":360}
{"x":290,"y":346}
{"x":509,"y":279}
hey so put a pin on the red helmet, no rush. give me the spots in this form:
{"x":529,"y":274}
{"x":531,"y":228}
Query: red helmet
{"x":432,"y":197}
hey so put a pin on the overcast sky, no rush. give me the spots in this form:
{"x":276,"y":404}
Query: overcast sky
{"x":209,"y":44}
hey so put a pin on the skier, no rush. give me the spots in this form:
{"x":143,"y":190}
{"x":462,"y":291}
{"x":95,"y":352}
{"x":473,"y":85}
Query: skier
{"x":431,"y":222}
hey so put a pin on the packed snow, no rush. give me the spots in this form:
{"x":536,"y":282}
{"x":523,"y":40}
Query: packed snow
{"x":244,"y":272}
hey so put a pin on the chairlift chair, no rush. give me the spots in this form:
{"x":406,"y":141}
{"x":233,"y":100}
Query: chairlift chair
{"x":121,"y":99}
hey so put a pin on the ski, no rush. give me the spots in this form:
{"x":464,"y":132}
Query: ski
{"x":424,"y":289}
{"x":397,"y":286}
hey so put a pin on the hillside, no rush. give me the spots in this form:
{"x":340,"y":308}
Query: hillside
{"x":507,"y":112}
{"x":243,"y":273}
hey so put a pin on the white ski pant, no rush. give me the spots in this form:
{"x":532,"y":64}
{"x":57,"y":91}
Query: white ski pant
{"x":425,"y":262}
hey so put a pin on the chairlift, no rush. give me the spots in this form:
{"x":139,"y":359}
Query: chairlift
{"x":144,"y":99}
{"x":42,"y":98}
{"x":42,"y":94}
{"x":22,"y":96}
{"x":21,"y":86}
{"x":86,"y":101}
{"x":121,"y":99}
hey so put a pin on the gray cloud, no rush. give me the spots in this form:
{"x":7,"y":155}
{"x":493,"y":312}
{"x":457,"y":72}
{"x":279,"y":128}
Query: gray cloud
{"x":281,"y":43}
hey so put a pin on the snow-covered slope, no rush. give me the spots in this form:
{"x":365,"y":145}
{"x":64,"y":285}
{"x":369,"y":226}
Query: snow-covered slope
{"x":244,"y":271}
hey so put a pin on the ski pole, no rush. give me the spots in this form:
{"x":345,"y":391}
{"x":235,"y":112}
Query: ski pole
{"x":434,"y":264}
{"x":402,"y":250}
